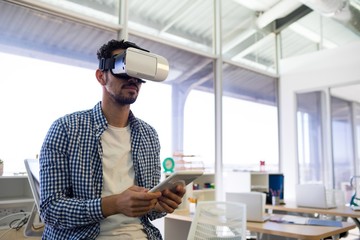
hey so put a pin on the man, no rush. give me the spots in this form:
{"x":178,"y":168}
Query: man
{"x":96,"y":166}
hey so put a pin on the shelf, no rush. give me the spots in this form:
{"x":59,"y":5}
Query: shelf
{"x":203,"y":190}
{"x":12,"y":176}
{"x":15,"y":191}
{"x":11,"y":201}
{"x":203,"y":193}
{"x":259,"y":187}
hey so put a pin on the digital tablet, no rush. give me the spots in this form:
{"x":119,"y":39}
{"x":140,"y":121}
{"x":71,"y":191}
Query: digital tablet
{"x":180,"y":177}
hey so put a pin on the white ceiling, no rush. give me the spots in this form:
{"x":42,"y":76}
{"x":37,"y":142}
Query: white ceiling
{"x":350,"y":92}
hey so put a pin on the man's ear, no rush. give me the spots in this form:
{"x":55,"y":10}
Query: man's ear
{"x":100,"y":76}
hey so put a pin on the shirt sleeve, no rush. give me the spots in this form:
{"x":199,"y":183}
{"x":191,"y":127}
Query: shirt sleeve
{"x":58,"y":205}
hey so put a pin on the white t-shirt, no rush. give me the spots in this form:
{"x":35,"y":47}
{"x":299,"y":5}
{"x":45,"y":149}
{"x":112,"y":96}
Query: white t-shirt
{"x":118,"y":175}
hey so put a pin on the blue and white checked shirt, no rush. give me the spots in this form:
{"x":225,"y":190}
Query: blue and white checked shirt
{"x":71,"y":177}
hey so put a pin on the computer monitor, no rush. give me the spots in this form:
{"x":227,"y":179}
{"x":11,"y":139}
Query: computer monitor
{"x":32,"y":167}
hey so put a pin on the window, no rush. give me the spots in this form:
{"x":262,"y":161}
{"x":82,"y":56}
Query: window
{"x":250,"y":135}
{"x":59,"y":89}
{"x":151,"y":107}
{"x":250,"y":119}
{"x":247,"y":127}
{"x":33,"y":93}
{"x":199,"y":127}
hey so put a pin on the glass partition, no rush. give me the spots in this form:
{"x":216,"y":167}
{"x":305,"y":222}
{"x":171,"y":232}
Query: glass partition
{"x":357,"y":136}
{"x":310,"y":140}
{"x":342,"y":141}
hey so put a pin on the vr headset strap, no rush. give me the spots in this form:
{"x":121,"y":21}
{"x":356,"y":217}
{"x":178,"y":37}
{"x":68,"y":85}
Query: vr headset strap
{"x":109,"y":63}
{"x":106,"y":64}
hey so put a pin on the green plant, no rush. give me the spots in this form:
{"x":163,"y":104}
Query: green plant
{"x":1,"y":161}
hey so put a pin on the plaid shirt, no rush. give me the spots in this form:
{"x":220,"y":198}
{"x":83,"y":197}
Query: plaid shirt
{"x":71,"y":176}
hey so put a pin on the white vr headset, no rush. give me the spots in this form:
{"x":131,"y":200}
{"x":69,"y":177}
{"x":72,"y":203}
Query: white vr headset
{"x":138,"y":64}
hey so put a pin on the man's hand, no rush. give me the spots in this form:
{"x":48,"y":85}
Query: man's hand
{"x":134,"y":202}
{"x":170,"y":200}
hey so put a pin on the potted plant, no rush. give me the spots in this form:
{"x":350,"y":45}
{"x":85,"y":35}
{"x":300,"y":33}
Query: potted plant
{"x":1,"y":167}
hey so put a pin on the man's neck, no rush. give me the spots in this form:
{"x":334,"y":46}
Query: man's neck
{"x":116,"y":115}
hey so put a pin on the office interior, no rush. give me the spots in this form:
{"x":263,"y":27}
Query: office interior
{"x":297,"y":57}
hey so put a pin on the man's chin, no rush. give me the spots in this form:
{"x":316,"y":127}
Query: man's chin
{"x":126,"y":100}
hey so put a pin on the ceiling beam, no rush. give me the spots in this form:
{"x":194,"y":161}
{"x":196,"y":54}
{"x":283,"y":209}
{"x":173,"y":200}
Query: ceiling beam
{"x":282,"y":23}
{"x":178,"y":16}
{"x":199,"y":66}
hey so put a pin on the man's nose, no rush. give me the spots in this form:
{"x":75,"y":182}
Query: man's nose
{"x":132,"y":80}
{"x":135,"y":80}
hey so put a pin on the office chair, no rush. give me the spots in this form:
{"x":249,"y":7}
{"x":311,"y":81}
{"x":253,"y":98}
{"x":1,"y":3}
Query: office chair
{"x":218,"y":220}
{"x":32,"y":169}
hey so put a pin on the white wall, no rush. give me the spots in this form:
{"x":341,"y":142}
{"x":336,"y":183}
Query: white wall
{"x":309,"y":72}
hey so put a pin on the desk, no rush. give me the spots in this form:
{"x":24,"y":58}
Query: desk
{"x":339,"y":211}
{"x":307,"y":232}
{"x":181,"y":222}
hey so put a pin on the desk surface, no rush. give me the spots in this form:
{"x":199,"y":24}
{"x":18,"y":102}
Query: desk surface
{"x":307,"y":232}
{"x":339,"y":211}
{"x":298,"y":231}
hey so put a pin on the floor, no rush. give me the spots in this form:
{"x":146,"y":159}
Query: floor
{"x":354,"y":234}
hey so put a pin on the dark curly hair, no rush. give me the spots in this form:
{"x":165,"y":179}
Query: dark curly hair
{"x":105,"y":51}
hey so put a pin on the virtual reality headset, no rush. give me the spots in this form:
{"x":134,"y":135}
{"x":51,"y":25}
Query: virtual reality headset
{"x":137,"y":63}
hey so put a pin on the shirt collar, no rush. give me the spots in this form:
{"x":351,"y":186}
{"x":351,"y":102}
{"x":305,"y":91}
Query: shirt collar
{"x":102,"y":124}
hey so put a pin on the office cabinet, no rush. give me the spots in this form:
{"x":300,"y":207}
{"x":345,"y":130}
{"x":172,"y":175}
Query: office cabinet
{"x":15,"y":197}
{"x":203,"y":188}
{"x":247,"y":181}
{"x":276,"y":184}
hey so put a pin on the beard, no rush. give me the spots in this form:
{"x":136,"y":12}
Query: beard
{"x":120,"y":98}
{"x":125,"y":100}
